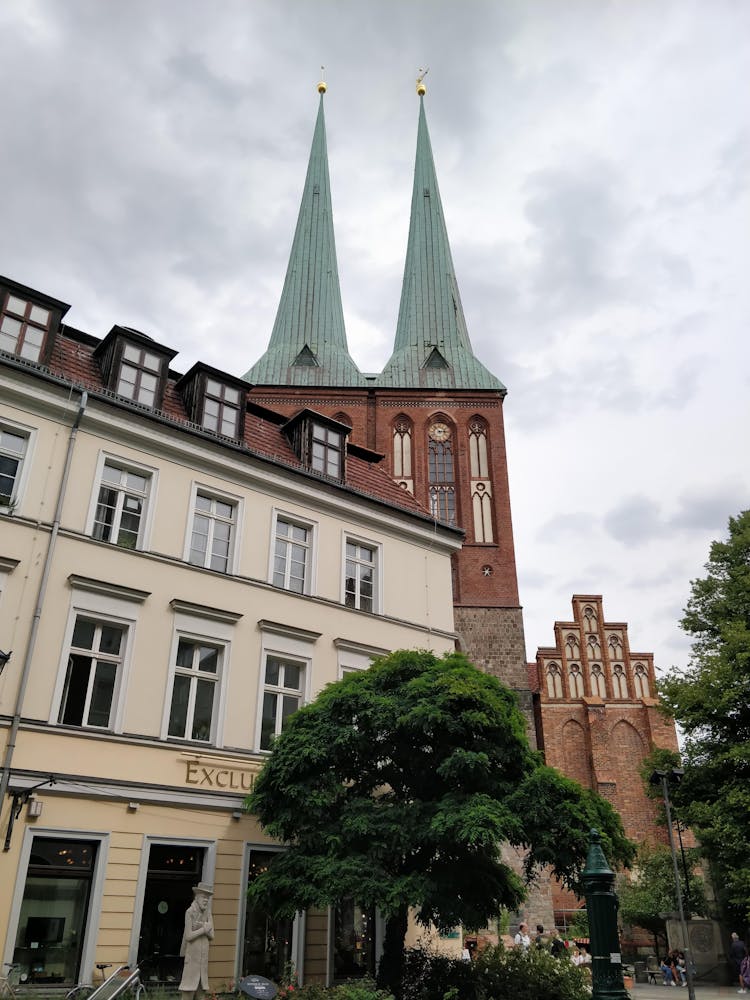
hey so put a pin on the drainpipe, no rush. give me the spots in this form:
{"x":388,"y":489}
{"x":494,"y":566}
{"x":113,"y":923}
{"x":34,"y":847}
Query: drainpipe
{"x":26,"y":669}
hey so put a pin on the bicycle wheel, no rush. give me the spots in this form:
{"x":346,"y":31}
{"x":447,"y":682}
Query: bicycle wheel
{"x":79,"y":992}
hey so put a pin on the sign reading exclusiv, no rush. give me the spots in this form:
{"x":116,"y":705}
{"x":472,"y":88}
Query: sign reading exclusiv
{"x":209,"y":775}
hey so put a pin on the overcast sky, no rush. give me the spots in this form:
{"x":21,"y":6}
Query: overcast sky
{"x":593,"y":160}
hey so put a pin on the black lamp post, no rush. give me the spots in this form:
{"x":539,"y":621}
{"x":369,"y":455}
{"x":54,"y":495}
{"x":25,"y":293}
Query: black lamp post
{"x":662,"y":778}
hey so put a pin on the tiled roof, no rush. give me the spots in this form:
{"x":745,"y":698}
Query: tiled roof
{"x":72,"y":360}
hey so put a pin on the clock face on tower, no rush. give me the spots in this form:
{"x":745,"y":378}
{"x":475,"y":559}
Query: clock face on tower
{"x":440,"y":432}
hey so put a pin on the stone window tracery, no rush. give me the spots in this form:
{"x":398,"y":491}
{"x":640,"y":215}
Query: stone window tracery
{"x":572,"y":646}
{"x":402,"y":452}
{"x":640,"y":681}
{"x":554,"y":681}
{"x":478,"y":449}
{"x":577,"y":689}
{"x":594,"y":647}
{"x":481,"y":485}
{"x":589,"y":619}
{"x":619,"y":681}
{"x":441,"y":471}
{"x":615,"y":647}
{"x":598,"y":682}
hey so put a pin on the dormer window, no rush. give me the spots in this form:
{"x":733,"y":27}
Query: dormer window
{"x":23,"y":327}
{"x":327,"y":450}
{"x":214,"y":400}
{"x":139,"y":375}
{"x":134,"y":366}
{"x":319,"y":442}
{"x":221,"y":409}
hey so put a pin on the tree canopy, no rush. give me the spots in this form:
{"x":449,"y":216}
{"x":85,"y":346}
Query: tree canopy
{"x":711,"y":702}
{"x":399,"y":785}
{"x":646,"y":898}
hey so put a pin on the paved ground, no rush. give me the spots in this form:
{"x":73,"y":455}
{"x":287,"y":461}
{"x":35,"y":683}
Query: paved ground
{"x":703,"y":991}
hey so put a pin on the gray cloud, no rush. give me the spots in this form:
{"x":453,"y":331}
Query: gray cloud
{"x":634,"y":521}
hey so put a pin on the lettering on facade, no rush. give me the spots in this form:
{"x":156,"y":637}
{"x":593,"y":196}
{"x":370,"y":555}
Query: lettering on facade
{"x":224,"y":778}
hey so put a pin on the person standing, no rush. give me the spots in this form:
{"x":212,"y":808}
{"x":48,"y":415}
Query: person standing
{"x":199,"y":932}
{"x":522,"y":939}
{"x":557,"y":945}
{"x":737,"y":952}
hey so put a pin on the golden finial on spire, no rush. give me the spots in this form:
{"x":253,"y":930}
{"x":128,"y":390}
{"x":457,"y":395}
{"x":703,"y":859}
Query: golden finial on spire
{"x":322,"y":85}
{"x":421,"y":89}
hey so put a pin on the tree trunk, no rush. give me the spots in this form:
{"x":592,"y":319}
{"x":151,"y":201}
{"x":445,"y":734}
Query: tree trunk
{"x":391,"y":968}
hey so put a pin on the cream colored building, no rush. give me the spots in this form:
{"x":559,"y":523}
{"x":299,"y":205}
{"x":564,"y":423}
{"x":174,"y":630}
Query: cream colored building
{"x":180,"y":569}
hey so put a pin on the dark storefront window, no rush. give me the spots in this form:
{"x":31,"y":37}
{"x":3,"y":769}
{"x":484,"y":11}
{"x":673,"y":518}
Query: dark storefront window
{"x":54,"y":910}
{"x":353,"y":940}
{"x":267,"y":945}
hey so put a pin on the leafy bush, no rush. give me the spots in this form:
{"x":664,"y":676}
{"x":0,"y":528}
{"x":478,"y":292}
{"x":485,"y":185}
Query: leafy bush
{"x":361,"y":989}
{"x":495,"y":974}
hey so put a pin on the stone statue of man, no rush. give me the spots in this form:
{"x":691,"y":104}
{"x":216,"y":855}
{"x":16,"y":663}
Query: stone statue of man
{"x":199,"y":931}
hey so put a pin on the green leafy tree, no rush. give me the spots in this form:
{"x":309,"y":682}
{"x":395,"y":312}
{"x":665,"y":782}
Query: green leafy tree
{"x":711,"y":702}
{"x":650,"y":895}
{"x":398,"y":785}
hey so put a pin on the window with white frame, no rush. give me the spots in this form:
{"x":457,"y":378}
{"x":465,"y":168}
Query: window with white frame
{"x":139,"y":374}
{"x":195,"y":686}
{"x":212,"y":532}
{"x":283,"y":692}
{"x":93,"y":674}
{"x":120,"y":511}
{"x":292,"y":555}
{"x":13,"y":447}
{"x":326,"y":450}
{"x":360,"y":575}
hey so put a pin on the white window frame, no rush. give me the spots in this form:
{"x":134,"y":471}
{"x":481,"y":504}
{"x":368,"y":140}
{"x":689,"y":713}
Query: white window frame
{"x":149,"y":472}
{"x":286,"y":644}
{"x":355,"y":656}
{"x":22,"y":474}
{"x":377,"y":588}
{"x":105,"y":607}
{"x":235,"y":536}
{"x":309,"y":586}
{"x":216,"y":630}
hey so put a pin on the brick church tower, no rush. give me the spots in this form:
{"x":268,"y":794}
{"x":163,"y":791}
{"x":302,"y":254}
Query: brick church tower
{"x":435,"y":412}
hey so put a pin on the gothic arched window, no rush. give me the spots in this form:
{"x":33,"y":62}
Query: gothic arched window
{"x":576,"y":681}
{"x":441,"y":472}
{"x":615,"y":647}
{"x":594,"y":647}
{"x":402,"y":452}
{"x":572,"y":646}
{"x":589,"y":619}
{"x":554,"y":681}
{"x":619,"y":681}
{"x":640,"y":681}
{"x":478,"y":449}
{"x":598,"y":682}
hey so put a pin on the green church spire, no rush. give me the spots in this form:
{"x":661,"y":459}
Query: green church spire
{"x":308,"y":342}
{"x":432,"y":347}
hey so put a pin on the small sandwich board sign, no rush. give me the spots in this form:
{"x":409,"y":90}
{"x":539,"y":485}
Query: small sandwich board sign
{"x":258,"y":988}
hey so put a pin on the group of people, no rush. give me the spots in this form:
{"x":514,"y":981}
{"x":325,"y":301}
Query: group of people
{"x":673,"y":968}
{"x":551,"y":942}
{"x":738,"y":956}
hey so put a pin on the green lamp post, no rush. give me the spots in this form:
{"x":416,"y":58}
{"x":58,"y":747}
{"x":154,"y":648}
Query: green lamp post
{"x":604,"y":941}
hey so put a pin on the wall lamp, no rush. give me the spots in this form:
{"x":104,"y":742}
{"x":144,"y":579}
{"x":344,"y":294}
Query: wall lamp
{"x":4,"y":657}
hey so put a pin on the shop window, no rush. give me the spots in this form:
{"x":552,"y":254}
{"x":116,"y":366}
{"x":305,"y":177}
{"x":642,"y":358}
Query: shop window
{"x":54,"y":911}
{"x":353,"y":940}
{"x":267,"y":941}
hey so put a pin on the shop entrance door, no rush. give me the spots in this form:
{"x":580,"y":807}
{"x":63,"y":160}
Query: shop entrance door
{"x":173,"y":870}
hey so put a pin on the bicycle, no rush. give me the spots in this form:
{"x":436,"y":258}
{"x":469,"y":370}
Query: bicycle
{"x":6,"y":984}
{"x":122,"y":980}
